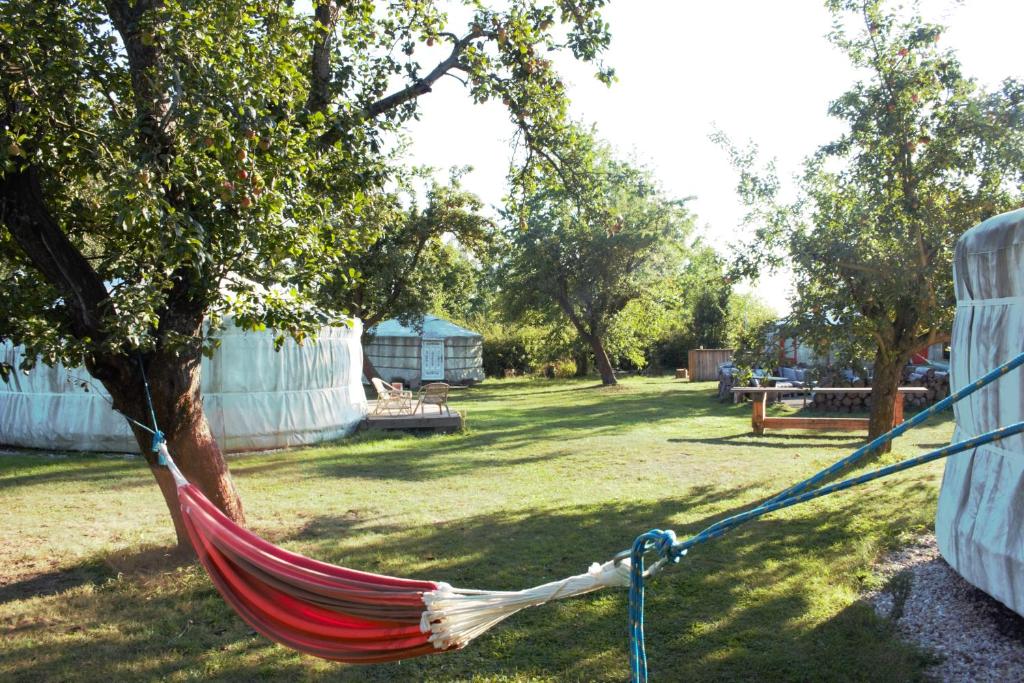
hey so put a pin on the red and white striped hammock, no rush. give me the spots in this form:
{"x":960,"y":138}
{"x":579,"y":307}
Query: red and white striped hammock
{"x":348,"y":615}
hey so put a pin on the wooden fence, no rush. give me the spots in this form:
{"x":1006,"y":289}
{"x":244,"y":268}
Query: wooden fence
{"x":704,"y":363}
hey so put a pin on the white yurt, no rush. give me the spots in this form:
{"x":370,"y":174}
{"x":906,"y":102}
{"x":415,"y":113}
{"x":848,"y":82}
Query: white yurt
{"x":255,"y":398}
{"x":980,"y":519}
{"x":430,"y":350}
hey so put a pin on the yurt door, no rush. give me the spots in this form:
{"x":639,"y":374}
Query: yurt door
{"x":432,"y":359}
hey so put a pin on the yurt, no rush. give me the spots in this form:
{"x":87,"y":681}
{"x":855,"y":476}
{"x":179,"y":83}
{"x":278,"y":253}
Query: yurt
{"x":980,"y":519}
{"x":429,"y":350}
{"x":255,"y":398}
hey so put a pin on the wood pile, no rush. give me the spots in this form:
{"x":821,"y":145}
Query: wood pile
{"x":838,"y":402}
{"x":935,"y":381}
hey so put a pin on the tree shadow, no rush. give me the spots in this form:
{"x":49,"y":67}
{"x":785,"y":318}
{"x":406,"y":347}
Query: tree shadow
{"x":731,"y":608}
{"x":115,"y":473}
{"x":92,"y":572}
{"x":784,"y":442}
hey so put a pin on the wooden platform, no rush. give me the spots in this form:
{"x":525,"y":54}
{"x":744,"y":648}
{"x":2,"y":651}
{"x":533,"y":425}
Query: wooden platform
{"x":431,"y":420}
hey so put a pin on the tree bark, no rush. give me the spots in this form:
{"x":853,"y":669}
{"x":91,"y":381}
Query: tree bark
{"x":174,"y":375}
{"x":174,"y":384}
{"x":604,"y":366}
{"x":888,"y":370}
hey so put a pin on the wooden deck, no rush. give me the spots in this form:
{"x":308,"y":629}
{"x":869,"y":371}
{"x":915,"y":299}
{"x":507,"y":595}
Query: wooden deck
{"x":431,"y":419}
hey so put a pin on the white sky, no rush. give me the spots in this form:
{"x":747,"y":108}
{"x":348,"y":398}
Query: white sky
{"x":760,"y":71}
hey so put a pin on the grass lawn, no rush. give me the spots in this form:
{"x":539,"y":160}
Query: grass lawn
{"x":550,"y":476}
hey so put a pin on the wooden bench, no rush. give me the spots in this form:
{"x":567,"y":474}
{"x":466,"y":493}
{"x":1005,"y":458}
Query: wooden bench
{"x":760,"y":422}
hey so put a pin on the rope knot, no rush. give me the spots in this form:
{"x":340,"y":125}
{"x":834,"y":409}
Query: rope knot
{"x":158,"y":440}
{"x":664,"y":543}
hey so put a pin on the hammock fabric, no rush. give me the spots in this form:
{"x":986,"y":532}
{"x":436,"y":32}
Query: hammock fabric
{"x":312,"y":606}
{"x":344,"y":614}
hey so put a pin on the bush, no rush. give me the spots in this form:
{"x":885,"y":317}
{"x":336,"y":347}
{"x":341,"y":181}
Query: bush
{"x":506,"y":353}
{"x":565,"y":368}
{"x":671,"y":349}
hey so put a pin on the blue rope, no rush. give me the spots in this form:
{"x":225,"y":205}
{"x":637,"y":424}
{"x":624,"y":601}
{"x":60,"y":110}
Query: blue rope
{"x":663,"y":543}
{"x":158,"y":436}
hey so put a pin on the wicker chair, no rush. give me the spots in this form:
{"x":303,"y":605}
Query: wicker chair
{"x":433,"y":394}
{"x":389,"y":398}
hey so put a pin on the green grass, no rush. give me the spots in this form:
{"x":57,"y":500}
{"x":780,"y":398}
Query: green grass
{"x":549,"y":477}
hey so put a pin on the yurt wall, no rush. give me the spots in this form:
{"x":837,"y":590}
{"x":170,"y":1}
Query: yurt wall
{"x":464,"y":360}
{"x":254,"y":397}
{"x":980,"y":519}
{"x":397,"y":359}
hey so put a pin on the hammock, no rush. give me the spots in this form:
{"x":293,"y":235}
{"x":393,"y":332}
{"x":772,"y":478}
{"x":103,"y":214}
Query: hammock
{"x":358,"y":617}
{"x":348,"y":615}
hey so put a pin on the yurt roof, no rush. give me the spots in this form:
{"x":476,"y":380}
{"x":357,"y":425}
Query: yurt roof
{"x":433,"y":328}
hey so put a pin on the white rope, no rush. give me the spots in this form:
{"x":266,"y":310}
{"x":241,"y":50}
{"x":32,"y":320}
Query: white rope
{"x":455,"y":616}
{"x":179,"y":478}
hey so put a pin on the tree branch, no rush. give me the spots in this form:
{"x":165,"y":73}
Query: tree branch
{"x":152,"y":101}
{"x":859,"y":268}
{"x":325,"y":14}
{"x":562,"y":296}
{"x":407,"y":94}
{"x":24,"y":212}
{"x":401,"y":282}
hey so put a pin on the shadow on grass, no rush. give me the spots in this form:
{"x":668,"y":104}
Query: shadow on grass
{"x":118,"y":473}
{"x":784,"y":442}
{"x":96,"y":571}
{"x":510,"y":427}
{"x":51,"y":583}
{"x":738,"y":609}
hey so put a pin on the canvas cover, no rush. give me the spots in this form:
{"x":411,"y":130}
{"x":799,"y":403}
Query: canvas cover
{"x":980,"y":519}
{"x":255,"y":398}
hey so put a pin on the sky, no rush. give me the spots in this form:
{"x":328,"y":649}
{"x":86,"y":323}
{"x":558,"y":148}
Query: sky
{"x":759,"y":71}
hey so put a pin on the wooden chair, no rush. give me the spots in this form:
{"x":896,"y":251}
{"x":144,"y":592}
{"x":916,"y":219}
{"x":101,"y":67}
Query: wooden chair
{"x":433,"y":394}
{"x":389,"y":398}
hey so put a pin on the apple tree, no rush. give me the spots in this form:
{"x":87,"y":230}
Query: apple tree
{"x":927,"y":153}
{"x":166,"y":163}
{"x":411,"y":251}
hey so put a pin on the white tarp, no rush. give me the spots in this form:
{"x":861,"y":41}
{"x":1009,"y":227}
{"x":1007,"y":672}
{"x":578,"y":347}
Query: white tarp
{"x":980,"y":519}
{"x":254,"y":397}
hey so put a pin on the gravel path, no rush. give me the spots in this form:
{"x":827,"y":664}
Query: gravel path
{"x":977,"y":637}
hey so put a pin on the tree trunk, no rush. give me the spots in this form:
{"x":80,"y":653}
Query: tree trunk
{"x":369,"y":370}
{"x":888,"y":370}
{"x":604,"y":366}
{"x":174,"y":383}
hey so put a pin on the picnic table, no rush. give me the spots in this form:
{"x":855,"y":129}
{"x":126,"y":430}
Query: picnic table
{"x":761,"y":422}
